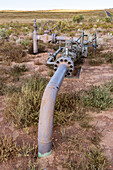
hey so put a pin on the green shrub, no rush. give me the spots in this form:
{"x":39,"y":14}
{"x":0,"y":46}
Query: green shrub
{"x":63,"y":24}
{"x":108,"y":19}
{"x":25,"y":42}
{"x":71,"y":34}
{"x":16,"y":71}
{"x":109,"y":86}
{"x":92,"y":19}
{"x":3,"y":33}
{"x":77,"y":18}
{"x":59,"y":23}
{"x":9,"y":32}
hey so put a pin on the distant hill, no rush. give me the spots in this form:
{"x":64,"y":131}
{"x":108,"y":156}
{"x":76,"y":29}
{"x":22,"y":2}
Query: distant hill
{"x":54,"y":10}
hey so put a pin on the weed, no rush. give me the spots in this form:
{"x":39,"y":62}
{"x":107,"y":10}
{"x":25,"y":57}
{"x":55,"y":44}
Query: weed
{"x":9,"y":149}
{"x":25,"y":42}
{"x":95,"y":138}
{"x":95,"y":62}
{"x":108,"y":57}
{"x":77,"y":18}
{"x":92,"y":19}
{"x":59,"y":23}
{"x":97,"y":97}
{"x":12,"y":52}
{"x":3,"y":33}
{"x":10,"y":89}
{"x":25,"y":105}
{"x":16,"y":71}
{"x":50,"y":73}
{"x":78,"y":156}
{"x":108,"y":19}
{"x":71,"y":34}
{"x":68,"y":108}
{"x":2,"y":86}
{"x":109,"y":86}
{"x":95,"y":159}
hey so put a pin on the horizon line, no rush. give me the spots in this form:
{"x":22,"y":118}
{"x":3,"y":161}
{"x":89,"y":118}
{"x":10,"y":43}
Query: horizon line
{"x":55,"y":9}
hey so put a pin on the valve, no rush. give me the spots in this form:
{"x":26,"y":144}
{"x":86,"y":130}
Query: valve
{"x":50,"y":27}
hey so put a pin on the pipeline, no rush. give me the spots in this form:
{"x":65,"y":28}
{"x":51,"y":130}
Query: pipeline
{"x":35,"y":40}
{"x":53,"y":57}
{"x":45,"y":127}
{"x":55,"y":54}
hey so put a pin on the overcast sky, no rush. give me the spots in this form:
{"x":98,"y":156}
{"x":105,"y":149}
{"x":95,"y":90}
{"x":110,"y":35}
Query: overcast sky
{"x":54,"y":4}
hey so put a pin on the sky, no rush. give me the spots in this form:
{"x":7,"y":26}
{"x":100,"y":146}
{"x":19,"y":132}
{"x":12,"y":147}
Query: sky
{"x":54,"y":4}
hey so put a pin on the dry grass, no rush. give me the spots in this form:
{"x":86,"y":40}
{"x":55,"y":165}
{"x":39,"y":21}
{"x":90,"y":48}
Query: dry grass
{"x":28,"y":16}
{"x":11,"y":52}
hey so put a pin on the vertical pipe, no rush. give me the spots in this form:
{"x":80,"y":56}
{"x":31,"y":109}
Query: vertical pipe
{"x":82,"y":42}
{"x":45,"y":126}
{"x":35,"y":40}
{"x":95,"y":41}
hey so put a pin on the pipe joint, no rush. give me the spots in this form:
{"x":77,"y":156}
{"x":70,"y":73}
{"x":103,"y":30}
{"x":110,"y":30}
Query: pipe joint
{"x":65,"y":61}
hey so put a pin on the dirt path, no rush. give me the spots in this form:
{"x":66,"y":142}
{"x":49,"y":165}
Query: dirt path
{"x":90,"y":75}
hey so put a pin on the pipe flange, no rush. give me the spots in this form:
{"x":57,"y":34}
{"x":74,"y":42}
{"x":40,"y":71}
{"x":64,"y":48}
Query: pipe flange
{"x":66,"y":61}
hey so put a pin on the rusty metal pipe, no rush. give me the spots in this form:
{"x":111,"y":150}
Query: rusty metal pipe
{"x":45,"y":126}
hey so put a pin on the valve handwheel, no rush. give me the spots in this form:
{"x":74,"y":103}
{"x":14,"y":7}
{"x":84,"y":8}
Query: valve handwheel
{"x":50,"y":28}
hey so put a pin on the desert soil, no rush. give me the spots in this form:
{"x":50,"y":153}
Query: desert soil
{"x":90,"y":75}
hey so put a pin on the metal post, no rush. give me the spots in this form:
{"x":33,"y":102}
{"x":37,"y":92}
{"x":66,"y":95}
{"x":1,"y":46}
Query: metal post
{"x":45,"y":126}
{"x":35,"y":40}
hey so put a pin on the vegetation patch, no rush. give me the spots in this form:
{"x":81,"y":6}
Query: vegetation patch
{"x":108,"y":57}
{"x":78,"y":155}
{"x":10,"y":149}
{"x":95,"y":62}
{"x":16,"y":71}
{"x":11,"y":52}
{"x":25,"y":104}
{"x":2,"y":86}
{"x":78,"y":18}
{"x":98,"y":58}
{"x":98,"y":97}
